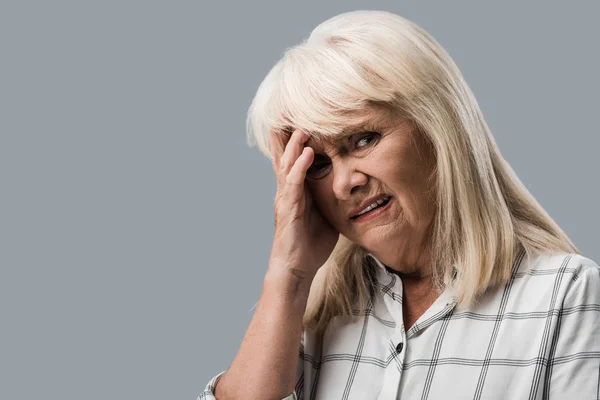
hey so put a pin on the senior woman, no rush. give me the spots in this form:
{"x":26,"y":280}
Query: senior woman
{"x":408,"y":260}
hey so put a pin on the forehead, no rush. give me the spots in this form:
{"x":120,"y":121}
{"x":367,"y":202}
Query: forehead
{"x":354,"y":123}
{"x":368,"y":119}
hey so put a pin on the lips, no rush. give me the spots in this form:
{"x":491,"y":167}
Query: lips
{"x":367,"y":203}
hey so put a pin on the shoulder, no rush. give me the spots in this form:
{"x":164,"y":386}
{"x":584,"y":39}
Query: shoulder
{"x":584,"y":284}
{"x":561,"y":264}
{"x":544,"y":283}
{"x":567,"y":277}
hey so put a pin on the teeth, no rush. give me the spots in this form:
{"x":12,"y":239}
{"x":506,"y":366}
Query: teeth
{"x":372,"y":206}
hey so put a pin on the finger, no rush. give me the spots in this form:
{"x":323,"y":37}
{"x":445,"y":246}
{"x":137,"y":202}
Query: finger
{"x":277,"y":140}
{"x":294,"y":187}
{"x":293,"y":149}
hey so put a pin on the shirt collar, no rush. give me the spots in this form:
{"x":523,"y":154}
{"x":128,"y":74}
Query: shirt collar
{"x":448,"y":296}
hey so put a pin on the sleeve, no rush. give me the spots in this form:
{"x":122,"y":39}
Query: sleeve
{"x":573,"y":370}
{"x":209,"y":390}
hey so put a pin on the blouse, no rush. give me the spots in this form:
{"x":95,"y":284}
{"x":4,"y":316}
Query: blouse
{"x":537,"y":337}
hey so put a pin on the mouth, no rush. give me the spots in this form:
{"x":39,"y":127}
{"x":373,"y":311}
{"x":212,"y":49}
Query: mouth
{"x":373,"y":210}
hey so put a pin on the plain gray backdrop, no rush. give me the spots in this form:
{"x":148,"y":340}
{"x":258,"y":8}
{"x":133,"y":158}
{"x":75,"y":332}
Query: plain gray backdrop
{"x":135,"y":222}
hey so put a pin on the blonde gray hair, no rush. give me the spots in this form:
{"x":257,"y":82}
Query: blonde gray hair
{"x":484,"y":213}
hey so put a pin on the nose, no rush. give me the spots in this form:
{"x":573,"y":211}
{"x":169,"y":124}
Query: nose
{"x":346,"y":180}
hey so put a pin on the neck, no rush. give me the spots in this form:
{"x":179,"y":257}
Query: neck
{"x":418,"y":296}
{"x":416,"y":266}
{"x":418,"y":288}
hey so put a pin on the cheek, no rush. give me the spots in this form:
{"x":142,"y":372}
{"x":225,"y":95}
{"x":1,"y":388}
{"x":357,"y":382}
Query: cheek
{"x":410,"y":187}
{"x":322,"y":196}
{"x":416,"y":198}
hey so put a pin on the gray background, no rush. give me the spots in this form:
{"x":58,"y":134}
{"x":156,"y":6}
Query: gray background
{"x":135,"y":223}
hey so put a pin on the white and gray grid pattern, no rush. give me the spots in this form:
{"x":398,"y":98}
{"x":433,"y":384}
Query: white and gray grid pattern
{"x":537,"y":337}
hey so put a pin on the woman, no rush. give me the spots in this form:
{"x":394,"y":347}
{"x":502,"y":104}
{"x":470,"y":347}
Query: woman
{"x":408,"y":260}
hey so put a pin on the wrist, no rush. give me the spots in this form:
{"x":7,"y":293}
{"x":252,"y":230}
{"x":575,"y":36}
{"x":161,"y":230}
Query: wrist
{"x":288,"y":283}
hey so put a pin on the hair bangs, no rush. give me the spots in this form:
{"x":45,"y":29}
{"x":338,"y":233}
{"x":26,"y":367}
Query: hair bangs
{"x":318,"y":89}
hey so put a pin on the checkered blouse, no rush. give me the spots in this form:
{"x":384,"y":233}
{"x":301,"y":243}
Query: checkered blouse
{"x":538,"y":337}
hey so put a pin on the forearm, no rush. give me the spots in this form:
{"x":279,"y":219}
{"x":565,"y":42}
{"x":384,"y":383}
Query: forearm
{"x":265,"y":364}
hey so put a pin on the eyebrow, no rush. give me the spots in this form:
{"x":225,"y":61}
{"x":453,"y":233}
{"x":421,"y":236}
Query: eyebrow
{"x":352,"y":130}
{"x":346,"y":133}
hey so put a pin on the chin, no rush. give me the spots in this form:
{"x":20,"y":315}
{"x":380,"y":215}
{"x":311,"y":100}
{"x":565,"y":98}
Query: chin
{"x":376,"y":244}
{"x":382,"y":241}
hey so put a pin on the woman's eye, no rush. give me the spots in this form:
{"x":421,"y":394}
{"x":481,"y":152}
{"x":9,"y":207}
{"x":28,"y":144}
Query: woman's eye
{"x":366,"y":139}
{"x":318,"y":168}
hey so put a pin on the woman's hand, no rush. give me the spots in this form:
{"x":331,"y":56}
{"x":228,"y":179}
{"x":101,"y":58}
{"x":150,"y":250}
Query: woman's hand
{"x":303,"y":238}
{"x":266,"y":363}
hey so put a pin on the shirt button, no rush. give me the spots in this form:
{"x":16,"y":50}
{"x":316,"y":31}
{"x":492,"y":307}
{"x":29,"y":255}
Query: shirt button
{"x":399,"y":347}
